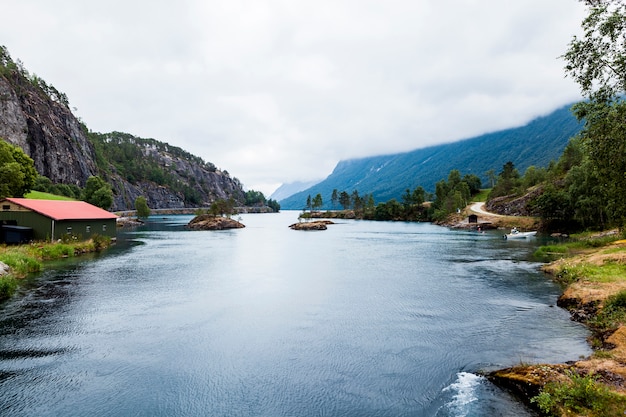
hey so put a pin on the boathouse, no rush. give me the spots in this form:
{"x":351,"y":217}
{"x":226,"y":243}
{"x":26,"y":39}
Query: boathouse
{"x":53,"y":219}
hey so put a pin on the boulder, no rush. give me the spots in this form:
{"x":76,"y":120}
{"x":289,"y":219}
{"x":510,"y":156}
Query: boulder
{"x":4,"y":269}
{"x":208,"y":222}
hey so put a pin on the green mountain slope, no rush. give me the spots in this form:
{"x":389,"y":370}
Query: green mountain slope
{"x":388,"y":176}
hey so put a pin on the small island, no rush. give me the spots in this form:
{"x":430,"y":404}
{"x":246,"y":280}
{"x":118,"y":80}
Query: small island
{"x":314,"y":225}
{"x":211,"y":222}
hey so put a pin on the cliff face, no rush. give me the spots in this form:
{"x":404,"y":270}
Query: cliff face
{"x":47,"y":132}
{"x":37,"y":118}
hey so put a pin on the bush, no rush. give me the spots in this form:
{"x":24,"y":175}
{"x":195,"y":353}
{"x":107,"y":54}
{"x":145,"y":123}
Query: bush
{"x":582,"y":394}
{"x":8,"y":284}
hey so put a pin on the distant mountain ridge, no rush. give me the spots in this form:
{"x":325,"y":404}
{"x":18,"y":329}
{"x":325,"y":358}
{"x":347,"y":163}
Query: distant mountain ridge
{"x":286,"y":190}
{"x":388,"y":176}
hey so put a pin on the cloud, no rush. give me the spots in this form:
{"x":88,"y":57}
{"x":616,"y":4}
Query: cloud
{"x":277,"y":91}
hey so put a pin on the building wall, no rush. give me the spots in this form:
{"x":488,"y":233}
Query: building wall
{"x":43,"y":226}
{"x":84,"y":229}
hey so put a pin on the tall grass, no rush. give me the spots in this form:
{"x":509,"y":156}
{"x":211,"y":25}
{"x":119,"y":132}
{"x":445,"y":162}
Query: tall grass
{"x":26,"y":259}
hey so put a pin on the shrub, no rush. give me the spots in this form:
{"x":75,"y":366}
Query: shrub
{"x":8,"y":284}
{"x":584,"y":395}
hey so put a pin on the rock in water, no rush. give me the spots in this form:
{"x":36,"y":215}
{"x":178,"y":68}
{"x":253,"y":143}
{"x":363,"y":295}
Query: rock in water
{"x":208,"y":222}
{"x":316,"y":225}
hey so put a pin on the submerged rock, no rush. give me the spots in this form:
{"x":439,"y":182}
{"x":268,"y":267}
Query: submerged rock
{"x":208,"y":222}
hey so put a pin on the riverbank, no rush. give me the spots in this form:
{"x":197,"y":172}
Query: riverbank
{"x":21,"y":260}
{"x":594,"y":274}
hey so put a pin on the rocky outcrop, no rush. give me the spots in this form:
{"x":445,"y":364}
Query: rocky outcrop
{"x":37,"y":118}
{"x":315,"y":225}
{"x":208,"y":222}
{"x":514,"y":205}
{"x":46,"y":130}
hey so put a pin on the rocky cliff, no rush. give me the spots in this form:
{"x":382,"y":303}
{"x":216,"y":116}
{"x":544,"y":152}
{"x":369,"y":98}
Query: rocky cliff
{"x":46,"y":130}
{"x":37,"y":118}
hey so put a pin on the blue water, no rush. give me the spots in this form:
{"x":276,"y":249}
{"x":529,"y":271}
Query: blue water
{"x":363,"y":319}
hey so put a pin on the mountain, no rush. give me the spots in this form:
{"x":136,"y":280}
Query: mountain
{"x":36,"y":117}
{"x":287,"y":190}
{"x":388,"y":176}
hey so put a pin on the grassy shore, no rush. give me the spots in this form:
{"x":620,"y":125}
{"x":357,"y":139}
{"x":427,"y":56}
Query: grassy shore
{"x":593,"y":272}
{"x":29,"y":258}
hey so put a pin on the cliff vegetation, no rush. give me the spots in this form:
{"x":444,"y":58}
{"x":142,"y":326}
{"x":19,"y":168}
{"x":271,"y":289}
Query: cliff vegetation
{"x":36,"y":117}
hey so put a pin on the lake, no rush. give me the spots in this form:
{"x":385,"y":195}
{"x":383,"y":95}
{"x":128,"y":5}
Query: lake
{"x":363,"y":319}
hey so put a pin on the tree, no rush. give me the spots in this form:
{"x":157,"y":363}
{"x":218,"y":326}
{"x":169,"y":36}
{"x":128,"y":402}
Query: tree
{"x":508,"y":181}
{"x":344,"y":200}
{"x":597,"y":62}
{"x":317,"y":202}
{"x":491,"y":174}
{"x":222,"y":207}
{"x":98,"y":192}
{"x":141,"y":205}
{"x":17,"y":171}
{"x":334,"y":198}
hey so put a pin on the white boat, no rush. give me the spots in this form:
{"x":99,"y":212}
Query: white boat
{"x":516,"y":234}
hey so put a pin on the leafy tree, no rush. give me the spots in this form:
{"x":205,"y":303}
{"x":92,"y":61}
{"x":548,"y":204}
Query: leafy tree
{"x":98,"y":192}
{"x":344,"y":200}
{"x":254,"y":198}
{"x":309,"y":204}
{"x":357,"y":201}
{"x":597,"y":62}
{"x":274,"y":205}
{"x":17,"y":171}
{"x":141,"y":205}
{"x":317,"y":202}
{"x":491,"y":174}
{"x":508,"y":181}
{"x":334,"y":198}
{"x":222,"y":207}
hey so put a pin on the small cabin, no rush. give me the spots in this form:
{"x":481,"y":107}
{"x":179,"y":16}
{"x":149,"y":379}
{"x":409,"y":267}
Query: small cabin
{"x":24,"y":218}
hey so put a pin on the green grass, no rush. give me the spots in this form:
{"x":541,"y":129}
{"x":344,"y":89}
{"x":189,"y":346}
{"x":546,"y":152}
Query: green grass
{"x":482,"y":195}
{"x":26,"y":259}
{"x":39,"y":195}
{"x":581,"y":395}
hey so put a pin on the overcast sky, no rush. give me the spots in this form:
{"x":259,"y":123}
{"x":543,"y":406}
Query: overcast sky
{"x":275,"y":91}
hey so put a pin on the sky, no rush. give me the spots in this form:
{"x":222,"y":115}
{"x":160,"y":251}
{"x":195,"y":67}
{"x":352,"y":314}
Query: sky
{"x":277,"y":91}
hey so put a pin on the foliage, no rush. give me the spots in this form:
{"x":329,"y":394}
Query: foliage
{"x":44,"y":184}
{"x":613,"y":312}
{"x":98,"y":192}
{"x":581,"y":394}
{"x":16,"y":71}
{"x":8,"y":285}
{"x":454,"y":194}
{"x":222,"y":207}
{"x":508,"y":181}
{"x":597,"y":62}
{"x":17,"y":171}
{"x":274,"y":205}
{"x":317,"y":202}
{"x":254,"y":198}
{"x":21,"y":263}
{"x":141,"y":206}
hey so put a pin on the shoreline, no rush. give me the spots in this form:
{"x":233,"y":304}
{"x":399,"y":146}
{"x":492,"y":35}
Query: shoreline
{"x":585,"y":299}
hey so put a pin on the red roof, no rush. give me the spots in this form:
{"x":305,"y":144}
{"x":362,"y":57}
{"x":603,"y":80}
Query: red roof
{"x":64,"y":210}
